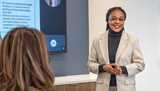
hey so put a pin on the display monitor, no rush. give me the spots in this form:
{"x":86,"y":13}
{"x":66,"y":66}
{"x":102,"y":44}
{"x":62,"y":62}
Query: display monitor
{"x":49,"y":16}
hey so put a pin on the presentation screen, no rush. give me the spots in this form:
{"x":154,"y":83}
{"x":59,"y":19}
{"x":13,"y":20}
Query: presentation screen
{"x":49,"y":16}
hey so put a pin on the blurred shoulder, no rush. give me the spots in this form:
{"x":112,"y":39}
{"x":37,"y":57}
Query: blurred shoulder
{"x":131,"y":36}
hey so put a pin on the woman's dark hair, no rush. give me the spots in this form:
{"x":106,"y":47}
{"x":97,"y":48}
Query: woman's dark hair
{"x":110,"y":11}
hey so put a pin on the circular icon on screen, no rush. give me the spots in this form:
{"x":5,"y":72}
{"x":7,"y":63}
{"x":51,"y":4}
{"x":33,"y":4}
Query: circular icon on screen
{"x":53,"y":43}
{"x":53,"y":3}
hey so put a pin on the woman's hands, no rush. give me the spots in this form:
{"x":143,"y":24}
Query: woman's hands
{"x":114,"y":69}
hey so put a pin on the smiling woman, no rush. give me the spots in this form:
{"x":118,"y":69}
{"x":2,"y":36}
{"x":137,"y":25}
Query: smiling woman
{"x":115,"y":19}
{"x":115,"y":55}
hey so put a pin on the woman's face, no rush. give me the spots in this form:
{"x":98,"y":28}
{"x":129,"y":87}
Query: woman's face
{"x":116,"y":20}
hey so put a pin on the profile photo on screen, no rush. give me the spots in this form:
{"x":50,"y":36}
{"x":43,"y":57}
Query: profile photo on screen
{"x":53,"y":3}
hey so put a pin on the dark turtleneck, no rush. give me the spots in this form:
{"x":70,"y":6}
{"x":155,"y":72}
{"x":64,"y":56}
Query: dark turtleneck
{"x":113,"y":43}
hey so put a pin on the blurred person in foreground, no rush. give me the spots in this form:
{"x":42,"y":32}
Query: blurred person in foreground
{"x":24,"y":62}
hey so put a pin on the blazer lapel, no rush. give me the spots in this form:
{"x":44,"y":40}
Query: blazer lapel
{"x":122,"y":46}
{"x":104,"y":47}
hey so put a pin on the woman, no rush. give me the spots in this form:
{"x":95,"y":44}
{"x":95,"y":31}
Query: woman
{"x":115,"y":55}
{"x":24,"y":62}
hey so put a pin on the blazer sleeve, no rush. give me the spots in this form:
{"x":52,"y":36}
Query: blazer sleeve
{"x":137,"y":62}
{"x":93,"y":64}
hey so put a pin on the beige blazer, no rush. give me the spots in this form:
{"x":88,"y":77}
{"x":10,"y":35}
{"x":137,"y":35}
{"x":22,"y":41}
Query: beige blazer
{"x":128,"y":54}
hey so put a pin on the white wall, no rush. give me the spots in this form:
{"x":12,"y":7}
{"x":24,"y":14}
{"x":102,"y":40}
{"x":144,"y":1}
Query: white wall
{"x":143,"y":21}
